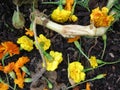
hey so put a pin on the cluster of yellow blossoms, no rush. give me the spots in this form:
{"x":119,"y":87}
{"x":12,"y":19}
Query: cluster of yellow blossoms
{"x":62,"y":15}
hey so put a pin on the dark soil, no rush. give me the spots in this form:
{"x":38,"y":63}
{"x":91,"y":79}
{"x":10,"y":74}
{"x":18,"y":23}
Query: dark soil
{"x":112,"y":53}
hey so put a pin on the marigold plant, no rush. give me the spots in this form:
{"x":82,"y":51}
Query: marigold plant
{"x":100,"y":17}
{"x":29,"y":32}
{"x":25,"y":43}
{"x":75,"y":72}
{"x":8,"y":47}
{"x":8,"y":68}
{"x":44,"y":42}
{"x":60,"y":16}
{"x":57,"y":59}
{"x":4,"y":86}
{"x":93,"y":61}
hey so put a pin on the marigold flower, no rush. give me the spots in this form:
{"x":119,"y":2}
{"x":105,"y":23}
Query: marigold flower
{"x":4,"y":86}
{"x":57,"y":59}
{"x":1,"y":67}
{"x":73,"y":18}
{"x":2,"y":51}
{"x":69,"y":4}
{"x":10,"y":67}
{"x":29,"y":32}
{"x":20,"y":78}
{"x":75,"y":72}
{"x":25,"y":43}
{"x":100,"y":18}
{"x":21,"y":61}
{"x":44,"y":42}
{"x":9,"y":47}
{"x":60,"y":16}
{"x":93,"y":61}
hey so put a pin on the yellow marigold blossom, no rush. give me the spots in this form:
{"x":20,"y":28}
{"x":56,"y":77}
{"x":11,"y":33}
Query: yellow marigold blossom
{"x":44,"y":42}
{"x":73,"y":18}
{"x":9,"y":67}
{"x":75,"y":72}
{"x":93,"y":61}
{"x":4,"y":86}
{"x":25,"y":43}
{"x":57,"y":59}
{"x":100,"y":18}
{"x":29,"y":32}
{"x":20,"y":78}
{"x":9,"y":47}
{"x":21,"y":61}
{"x":60,"y":16}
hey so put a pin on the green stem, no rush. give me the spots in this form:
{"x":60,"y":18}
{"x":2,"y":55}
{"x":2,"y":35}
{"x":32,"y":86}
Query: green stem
{"x":80,"y":83}
{"x":14,"y":87}
{"x":79,"y":48}
{"x":73,"y":8}
{"x":56,"y":3}
{"x":104,"y":63}
{"x":105,"y":44}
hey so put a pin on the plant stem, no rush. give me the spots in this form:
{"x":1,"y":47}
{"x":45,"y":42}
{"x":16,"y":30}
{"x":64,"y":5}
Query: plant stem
{"x":80,"y":49}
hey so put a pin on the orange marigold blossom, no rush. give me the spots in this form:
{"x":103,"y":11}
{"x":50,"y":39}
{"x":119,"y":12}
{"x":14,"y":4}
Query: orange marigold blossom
{"x":4,"y":86}
{"x":20,"y":78}
{"x":21,"y":61}
{"x":75,"y":72}
{"x":100,"y":18}
{"x":69,"y":4}
{"x":29,"y":32}
{"x":2,"y":51}
{"x":8,"y":47}
{"x":8,"y":68}
{"x":1,"y":67}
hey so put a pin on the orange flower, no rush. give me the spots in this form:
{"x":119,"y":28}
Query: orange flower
{"x":20,"y":78}
{"x":10,"y":47}
{"x":88,"y":86}
{"x":100,"y":18}
{"x":69,"y":4}
{"x":21,"y":61}
{"x":9,"y":67}
{"x":2,"y":51}
{"x":29,"y":32}
{"x":1,"y":67}
{"x":71,"y":40}
{"x":4,"y":86}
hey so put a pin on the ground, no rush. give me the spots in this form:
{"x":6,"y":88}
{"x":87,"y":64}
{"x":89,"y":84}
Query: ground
{"x":91,"y":46}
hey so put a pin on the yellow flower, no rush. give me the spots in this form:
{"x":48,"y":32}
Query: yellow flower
{"x":100,"y":18}
{"x":9,"y":67}
{"x":75,"y":72}
{"x":93,"y":61}
{"x":42,"y":40}
{"x":57,"y":59}
{"x":73,"y":18}
{"x":4,"y":86}
{"x":25,"y":43}
{"x":60,"y":16}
